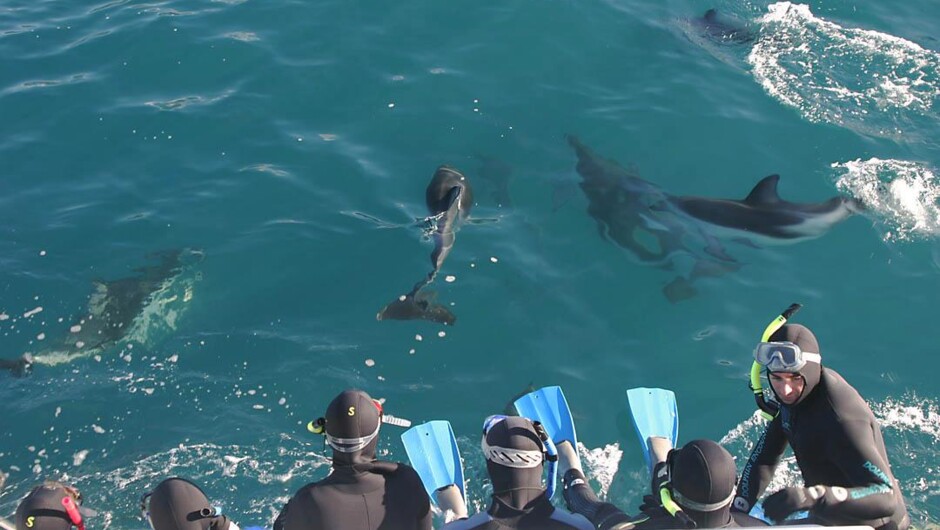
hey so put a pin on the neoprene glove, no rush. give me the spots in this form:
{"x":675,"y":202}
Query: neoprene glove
{"x":786,"y":501}
{"x":660,"y":477}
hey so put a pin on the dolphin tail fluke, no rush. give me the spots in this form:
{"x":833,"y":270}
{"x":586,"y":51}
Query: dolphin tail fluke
{"x":679,"y":289}
{"x":19,"y":366}
{"x":416,"y":307}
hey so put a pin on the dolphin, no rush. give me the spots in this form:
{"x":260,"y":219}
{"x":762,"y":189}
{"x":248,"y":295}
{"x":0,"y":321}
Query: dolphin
{"x":764,"y":217}
{"x":661,"y":229}
{"x":449,"y":199}
{"x":130,"y":308}
{"x":723,"y":29}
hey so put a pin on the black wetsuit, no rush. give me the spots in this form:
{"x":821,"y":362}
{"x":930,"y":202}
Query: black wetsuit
{"x":537,"y":515}
{"x":386,"y":496}
{"x":838,"y":444}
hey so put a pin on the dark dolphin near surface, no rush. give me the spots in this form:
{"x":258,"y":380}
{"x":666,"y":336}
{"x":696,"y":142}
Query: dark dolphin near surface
{"x":722,"y":28}
{"x":134,"y":308}
{"x":449,"y":199}
{"x":662,"y":229}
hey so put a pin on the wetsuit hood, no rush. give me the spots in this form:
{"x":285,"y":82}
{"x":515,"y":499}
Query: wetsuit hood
{"x":178,"y":504}
{"x":42,"y":509}
{"x":353,"y":415}
{"x":703,"y":477}
{"x":516,"y":487}
{"x":806,"y":340}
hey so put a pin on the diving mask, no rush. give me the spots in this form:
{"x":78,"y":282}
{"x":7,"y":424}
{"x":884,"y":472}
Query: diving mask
{"x":783,"y":356}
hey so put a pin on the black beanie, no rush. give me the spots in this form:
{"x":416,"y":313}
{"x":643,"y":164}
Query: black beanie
{"x":353,"y":414}
{"x":42,"y":509}
{"x":804,"y":338}
{"x":704,"y":473}
{"x":178,"y":504}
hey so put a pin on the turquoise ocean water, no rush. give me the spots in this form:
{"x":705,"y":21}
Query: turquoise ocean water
{"x":286,"y":145}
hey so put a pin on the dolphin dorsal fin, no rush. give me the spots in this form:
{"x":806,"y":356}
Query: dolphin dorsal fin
{"x":765,"y":191}
{"x":710,"y":15}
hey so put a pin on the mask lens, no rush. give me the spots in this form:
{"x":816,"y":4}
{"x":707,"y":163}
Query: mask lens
{"x":779,"y":356}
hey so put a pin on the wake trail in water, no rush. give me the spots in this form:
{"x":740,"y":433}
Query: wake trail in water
{"x":869,"y":82}
{"x":903,"y":197}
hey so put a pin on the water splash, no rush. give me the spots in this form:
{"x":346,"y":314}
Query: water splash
{"x":903,"y":196}
{"x":845,"y":76}
{"x":601,"y":464}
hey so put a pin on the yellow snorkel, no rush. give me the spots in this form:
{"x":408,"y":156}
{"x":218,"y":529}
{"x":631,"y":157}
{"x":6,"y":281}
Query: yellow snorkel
{"x":769,"y":410}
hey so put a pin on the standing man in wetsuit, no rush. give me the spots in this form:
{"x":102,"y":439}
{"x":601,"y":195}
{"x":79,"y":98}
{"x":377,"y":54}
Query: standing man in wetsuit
{"x":361,"y":493}
{"x":834,"y":435}
{"x":515,"y":450}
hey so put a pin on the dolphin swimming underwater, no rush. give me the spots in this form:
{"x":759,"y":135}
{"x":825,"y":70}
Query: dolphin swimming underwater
{"x":147,"y":302}
{"x":449,"y":199}
{"x":723,"y":29}
{"x":659,"y":228}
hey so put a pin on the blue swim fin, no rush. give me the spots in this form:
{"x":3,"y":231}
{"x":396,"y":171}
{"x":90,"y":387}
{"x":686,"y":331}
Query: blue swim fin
{"x":654,"y":413}
{"x":549,"y":407}
{"x":432,"y":450}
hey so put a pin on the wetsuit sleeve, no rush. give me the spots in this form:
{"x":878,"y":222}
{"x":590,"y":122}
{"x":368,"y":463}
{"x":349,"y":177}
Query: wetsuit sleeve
{"x":855,"y":452}
{"x":761,"y":465}
{"x":281,"y":517}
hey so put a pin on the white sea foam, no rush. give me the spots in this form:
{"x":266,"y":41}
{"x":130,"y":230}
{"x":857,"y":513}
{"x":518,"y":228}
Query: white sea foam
{"x":870,"y":82}
{"x":902,"y":196}
{"x":601,"y":464}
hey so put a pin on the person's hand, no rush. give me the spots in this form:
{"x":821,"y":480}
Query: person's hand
{"x":660,"y":477}
{"x":788,"y":500}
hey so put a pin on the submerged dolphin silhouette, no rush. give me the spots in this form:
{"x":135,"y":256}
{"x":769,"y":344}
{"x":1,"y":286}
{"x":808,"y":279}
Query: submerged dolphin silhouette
{"x":122,"y":308}
{"x":723,"y":29}
{"x":449,"y":199}
{"x":658,"y":227}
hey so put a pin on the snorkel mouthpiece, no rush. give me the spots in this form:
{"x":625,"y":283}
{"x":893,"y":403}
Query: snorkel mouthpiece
{"x":769,"y":410}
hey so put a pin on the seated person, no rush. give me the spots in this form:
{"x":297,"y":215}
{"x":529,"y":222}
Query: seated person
{"x":700,"y":480}
{"x":52,"y":506}
{"x":361,"y":492}
{"x":178,"y":504}
{"x":515,"y":449}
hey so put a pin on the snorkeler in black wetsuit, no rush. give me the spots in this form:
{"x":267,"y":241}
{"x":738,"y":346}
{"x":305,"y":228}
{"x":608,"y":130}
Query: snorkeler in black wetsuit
{"x":835,"y":437}
{"x":361,"y":493}
{"x":52,"y":506}
{"x":515,"y":451}
{"x":700,"y":477}
{"x":178,"y":504}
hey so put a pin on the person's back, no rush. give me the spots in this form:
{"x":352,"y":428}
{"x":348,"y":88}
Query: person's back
{"x":361,"y":493}
{"x":373,"y":496}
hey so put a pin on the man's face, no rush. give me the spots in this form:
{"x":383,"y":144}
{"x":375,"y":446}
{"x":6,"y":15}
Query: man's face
{"x":787,"y":386}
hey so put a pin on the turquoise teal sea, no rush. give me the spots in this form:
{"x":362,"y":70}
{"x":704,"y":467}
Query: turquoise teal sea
{"x":286,"y":146}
